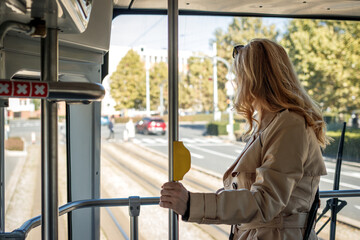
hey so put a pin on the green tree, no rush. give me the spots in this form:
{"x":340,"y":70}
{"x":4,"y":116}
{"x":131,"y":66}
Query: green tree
{"x":127,"y":83}
{"x":37,"y":103}
{"x":158,"y":77}
{"x":326,"y":57}
{"x":240,"y":31}
{"x":196,"y":89}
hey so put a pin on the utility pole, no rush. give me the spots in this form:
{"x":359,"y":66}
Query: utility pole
{"x":230,"y":93}
{"x":217,"y":114}
{"x":147,"y":66}
{"x":162,"y":99}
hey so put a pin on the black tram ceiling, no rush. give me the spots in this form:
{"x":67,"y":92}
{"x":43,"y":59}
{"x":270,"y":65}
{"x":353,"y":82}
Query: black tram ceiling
{"x":314,"y":9}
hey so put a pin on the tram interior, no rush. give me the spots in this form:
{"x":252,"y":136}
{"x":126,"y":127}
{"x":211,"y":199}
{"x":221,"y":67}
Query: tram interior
{"x":67,"y":44}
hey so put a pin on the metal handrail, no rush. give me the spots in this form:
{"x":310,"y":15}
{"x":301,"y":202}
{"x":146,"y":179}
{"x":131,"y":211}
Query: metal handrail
{"x":76,"y":91}
{"x":22,"y":231}
{"x":64,"y":91}
{"x":71,"y":206}
{"x":339,"y":193}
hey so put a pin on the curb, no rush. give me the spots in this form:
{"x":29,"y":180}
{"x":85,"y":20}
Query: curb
{"x":347,"y":163}
{"x":341,"y":219}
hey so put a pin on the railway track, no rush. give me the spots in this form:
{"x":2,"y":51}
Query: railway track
{"x":149,"y":170}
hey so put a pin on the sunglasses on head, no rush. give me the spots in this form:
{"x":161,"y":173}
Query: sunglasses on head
{"x":236,"y":50}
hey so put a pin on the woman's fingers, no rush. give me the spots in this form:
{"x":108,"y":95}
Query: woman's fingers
{"x":174,"y":196}
{"x":165,"y":204}
{"x":172,"y":185}
{"x":166,"y":199}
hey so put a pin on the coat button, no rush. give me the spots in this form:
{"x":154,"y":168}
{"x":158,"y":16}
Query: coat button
{"x":234,"y":185}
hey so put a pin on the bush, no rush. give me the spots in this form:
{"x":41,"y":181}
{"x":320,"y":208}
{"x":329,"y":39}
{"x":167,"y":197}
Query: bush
{"x":219,"y":128}
{"x":351,"y":151}
{"x":14,"y":144}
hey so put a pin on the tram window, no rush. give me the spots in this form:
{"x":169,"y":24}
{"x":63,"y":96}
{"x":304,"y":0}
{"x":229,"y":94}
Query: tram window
{"x":325,"y":55}
{"x":23,"y":164}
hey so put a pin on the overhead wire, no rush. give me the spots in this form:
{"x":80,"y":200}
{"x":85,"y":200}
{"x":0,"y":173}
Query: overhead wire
{"x":146,"y":32}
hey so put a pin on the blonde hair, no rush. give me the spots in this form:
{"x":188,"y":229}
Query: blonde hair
{"x":265,"y":77}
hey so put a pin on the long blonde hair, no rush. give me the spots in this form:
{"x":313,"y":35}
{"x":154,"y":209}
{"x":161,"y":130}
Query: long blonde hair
{"x":265,"y":76}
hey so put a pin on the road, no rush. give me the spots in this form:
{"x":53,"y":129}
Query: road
{"x":217,"y":154}
{"x":211,"y":153}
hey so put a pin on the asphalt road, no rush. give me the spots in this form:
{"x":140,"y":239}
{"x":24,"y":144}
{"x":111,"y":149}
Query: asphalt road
{"x":217,"y":154}
{"x":211,"y":153}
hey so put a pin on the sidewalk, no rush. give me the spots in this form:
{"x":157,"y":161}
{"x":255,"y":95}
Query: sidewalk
{"x":327,"y":159}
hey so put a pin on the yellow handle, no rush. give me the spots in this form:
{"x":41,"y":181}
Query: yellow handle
{"x":182,"y":160}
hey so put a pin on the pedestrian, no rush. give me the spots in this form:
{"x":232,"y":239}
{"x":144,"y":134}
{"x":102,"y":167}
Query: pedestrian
{"x":130,"y":127}
{"x":269,"y":189}
{"x":111,"y":127}
{"x":355,"y":121}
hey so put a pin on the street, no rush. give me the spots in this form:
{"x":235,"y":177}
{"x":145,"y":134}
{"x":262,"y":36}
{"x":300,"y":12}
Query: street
{"x":211,"y":154}
{"x":217,"y":154}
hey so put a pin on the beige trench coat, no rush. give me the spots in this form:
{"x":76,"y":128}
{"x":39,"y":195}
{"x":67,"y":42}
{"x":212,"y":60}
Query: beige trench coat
{"x":270,"y":188}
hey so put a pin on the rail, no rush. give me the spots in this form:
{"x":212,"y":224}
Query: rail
{"x":23,"y":231}
{"x":134,"y":204}
{"x":339,"y":193}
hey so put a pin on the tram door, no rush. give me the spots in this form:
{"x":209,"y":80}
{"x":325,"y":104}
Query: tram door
{"x":83,"y":41}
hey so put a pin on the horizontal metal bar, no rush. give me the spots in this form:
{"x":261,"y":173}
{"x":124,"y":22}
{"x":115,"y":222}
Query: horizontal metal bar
{"x":339,"y":193}
{"x":71,"y":206}
{"x":78,"y":91}
{"x":117,"y":202}
{"x":57,"y":91}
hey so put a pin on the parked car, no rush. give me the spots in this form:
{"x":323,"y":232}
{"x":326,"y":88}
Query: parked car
{"x":151,"y":125}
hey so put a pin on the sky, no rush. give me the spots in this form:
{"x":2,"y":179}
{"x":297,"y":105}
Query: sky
{"x":150,"y":31}
{"x":195,"y":32}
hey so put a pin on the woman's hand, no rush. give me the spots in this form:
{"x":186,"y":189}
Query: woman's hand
{"x":174,"y":196}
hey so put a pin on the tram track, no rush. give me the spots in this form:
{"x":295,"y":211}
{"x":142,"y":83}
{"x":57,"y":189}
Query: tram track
{"x":129,"y":157}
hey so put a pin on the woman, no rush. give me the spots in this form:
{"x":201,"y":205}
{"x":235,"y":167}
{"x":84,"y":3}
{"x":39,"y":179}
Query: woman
{"x":269,"y":189}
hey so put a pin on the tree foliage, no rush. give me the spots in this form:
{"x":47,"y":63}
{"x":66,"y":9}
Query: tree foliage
{"x":326,"y":56}
{"x":127,"y":83}
{"x":158,"y":79}
{"x":240,"y":31}
{"x":196,"y":88}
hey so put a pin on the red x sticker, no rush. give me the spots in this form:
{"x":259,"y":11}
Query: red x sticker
{"x":22,"y":89}
{"x":39,"y":89}
{"x":5,"y":88}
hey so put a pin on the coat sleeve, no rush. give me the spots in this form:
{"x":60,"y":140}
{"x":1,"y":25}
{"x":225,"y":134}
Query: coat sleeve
{"x":284,"y":151}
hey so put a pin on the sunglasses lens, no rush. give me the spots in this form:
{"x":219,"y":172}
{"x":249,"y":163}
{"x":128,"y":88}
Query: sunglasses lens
{"x":236,"y":50}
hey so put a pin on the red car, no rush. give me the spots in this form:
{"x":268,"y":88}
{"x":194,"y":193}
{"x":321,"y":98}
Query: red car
{"x":151,"y":125}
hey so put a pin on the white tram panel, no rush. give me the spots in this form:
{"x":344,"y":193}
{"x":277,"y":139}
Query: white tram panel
{"x":73,"y":15}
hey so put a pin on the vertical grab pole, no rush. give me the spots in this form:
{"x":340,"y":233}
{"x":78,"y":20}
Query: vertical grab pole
{"x":173,"y":13}
{"x":334,"y":203}
{"x":49,"y":134}
{"x":134,"y":212}
{"x":3,"y":103}
{"x":2,"y":164}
